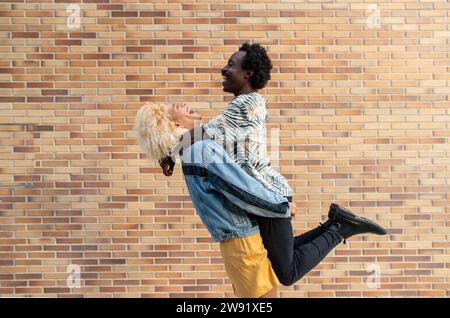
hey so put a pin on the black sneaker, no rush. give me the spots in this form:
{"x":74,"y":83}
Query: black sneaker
{"x":350,"y":224}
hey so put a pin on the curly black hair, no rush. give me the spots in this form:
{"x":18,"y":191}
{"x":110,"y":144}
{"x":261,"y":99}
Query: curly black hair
{"x":258,"y":61}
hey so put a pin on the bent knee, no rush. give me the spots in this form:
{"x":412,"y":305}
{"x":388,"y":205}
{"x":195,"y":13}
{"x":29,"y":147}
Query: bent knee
{"x":285,"y":280}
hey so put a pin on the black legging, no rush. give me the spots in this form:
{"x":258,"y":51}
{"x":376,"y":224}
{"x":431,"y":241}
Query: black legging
{"x":293,"y":257}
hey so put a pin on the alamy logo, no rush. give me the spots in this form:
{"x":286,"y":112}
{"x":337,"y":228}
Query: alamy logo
{"x":74,"y":18}
{"x":73,"y":277}
{"x":373,"y":20}
{"x":374,"y":271}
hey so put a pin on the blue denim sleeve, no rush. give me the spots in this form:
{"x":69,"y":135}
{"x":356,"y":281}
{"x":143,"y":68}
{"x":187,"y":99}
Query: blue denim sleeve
{"x":207,"y":158}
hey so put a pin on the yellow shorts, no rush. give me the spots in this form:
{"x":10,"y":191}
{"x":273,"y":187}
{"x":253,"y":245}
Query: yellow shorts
{"x":248,"y":266}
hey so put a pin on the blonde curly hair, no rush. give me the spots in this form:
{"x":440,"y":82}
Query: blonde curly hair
{"x":155,"y":131}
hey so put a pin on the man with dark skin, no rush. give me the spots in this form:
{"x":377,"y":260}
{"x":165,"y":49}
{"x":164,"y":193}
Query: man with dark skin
{"x":236,"y":79}
{"x":292,"y":257}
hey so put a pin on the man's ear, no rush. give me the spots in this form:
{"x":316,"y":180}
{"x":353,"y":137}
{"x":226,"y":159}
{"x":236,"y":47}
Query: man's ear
{"x":248,"y":74}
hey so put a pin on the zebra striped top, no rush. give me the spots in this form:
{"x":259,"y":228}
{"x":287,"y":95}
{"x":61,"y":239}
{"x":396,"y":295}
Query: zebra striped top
{"x":241,"y":129}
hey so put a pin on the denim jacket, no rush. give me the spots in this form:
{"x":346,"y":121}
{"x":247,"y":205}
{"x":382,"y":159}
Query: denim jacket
{"x":223,"y":194}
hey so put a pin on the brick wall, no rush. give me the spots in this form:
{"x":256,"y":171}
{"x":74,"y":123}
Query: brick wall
{"x":361,"y":104}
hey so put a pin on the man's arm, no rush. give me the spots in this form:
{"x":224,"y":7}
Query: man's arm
{"x":187,"y":139}
{"x":208,"y":131}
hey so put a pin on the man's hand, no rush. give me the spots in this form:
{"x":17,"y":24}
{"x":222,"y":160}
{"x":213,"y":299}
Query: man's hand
{"x":167,"y":165}
{"x":293,"y":207}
